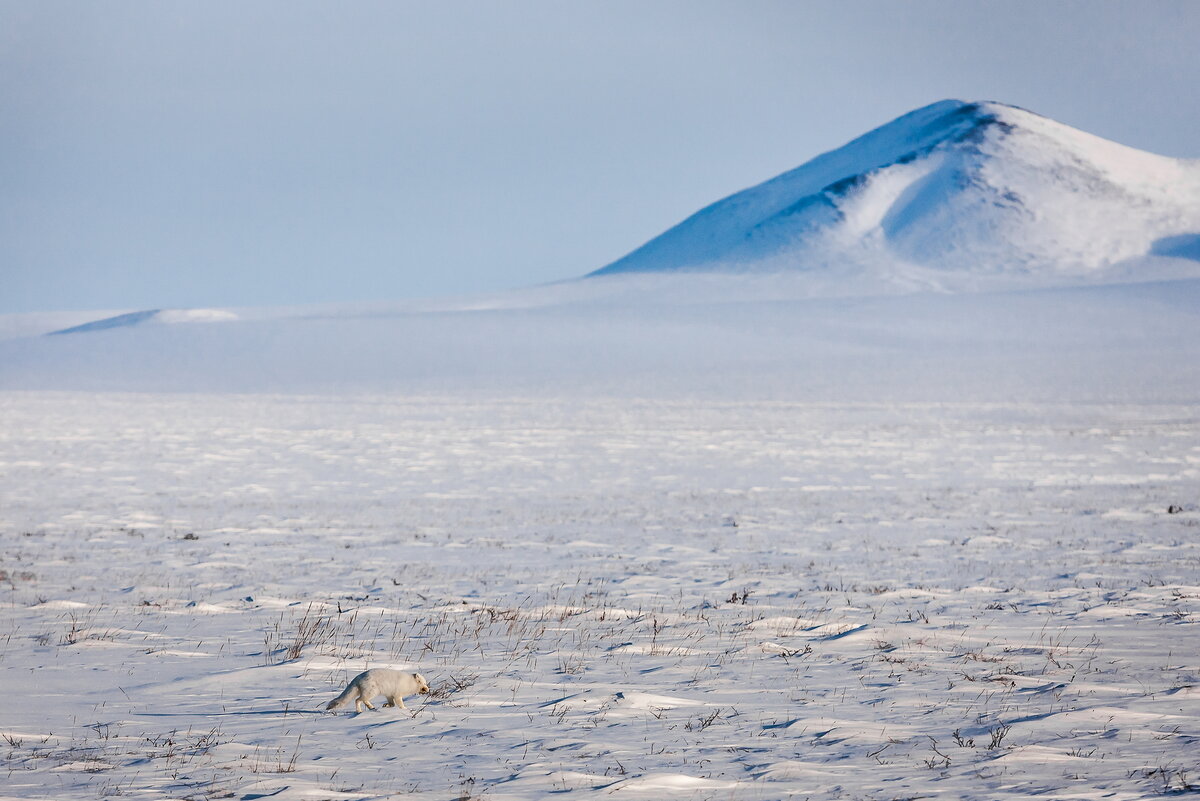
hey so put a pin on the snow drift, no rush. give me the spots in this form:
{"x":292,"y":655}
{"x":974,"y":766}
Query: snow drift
{"x":953,"y":196}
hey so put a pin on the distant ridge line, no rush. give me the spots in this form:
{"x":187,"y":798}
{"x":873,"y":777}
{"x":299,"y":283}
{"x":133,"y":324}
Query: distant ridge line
{"x":119,"y":321}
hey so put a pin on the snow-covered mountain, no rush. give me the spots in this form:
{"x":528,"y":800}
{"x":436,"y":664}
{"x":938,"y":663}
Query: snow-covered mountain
{"x":957,"y":196}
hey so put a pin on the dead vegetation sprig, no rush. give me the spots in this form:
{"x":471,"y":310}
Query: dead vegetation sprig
{"x":286,"y":639}
{"x":452,"y":685}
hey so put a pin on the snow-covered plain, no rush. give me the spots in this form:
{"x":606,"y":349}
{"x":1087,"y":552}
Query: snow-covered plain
{"x":843,"y":548}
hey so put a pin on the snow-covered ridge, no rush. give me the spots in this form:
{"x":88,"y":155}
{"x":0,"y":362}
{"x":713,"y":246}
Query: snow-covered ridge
{"x":945,"y":195}
{"x":168,"y":316}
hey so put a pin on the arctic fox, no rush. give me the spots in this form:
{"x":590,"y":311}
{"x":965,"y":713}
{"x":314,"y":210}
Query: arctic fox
{"x":380,"y":681}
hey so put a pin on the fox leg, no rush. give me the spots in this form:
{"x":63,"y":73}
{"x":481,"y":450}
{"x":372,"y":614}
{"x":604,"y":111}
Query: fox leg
{"x":396,"y":701}
{"x":361,"y":699}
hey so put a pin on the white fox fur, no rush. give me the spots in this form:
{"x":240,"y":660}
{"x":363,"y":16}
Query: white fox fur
{"x":394,"y":684}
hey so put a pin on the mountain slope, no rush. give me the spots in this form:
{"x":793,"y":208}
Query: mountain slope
{"x":947,"y":193}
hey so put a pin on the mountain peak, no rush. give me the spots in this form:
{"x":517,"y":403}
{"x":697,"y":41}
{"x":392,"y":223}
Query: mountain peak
{"x":948,"y":190}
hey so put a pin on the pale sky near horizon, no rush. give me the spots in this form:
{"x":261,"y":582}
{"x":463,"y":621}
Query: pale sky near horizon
{"x":232,"y":154}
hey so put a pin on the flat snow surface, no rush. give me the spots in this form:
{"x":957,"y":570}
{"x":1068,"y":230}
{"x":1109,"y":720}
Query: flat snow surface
{"x":750,"y":547}
{"x":669,"y":599}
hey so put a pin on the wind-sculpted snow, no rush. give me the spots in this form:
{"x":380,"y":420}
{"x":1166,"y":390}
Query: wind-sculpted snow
{"x":951,"y":196}
{"x":610,"y":598}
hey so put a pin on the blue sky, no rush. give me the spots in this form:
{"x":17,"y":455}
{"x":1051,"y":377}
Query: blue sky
{"x":233,"y":154}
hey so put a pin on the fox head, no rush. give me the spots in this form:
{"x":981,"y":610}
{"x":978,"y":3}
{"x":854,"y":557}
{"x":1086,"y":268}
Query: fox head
{"x":422,"y":685}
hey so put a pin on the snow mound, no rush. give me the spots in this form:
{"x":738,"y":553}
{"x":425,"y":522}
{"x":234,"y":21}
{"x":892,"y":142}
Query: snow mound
{"x":952,"y":196}
{"x":168,"y":316}
{"x":195,"y":316}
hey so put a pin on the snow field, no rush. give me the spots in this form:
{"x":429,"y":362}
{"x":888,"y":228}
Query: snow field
{"x":610,"y":597}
